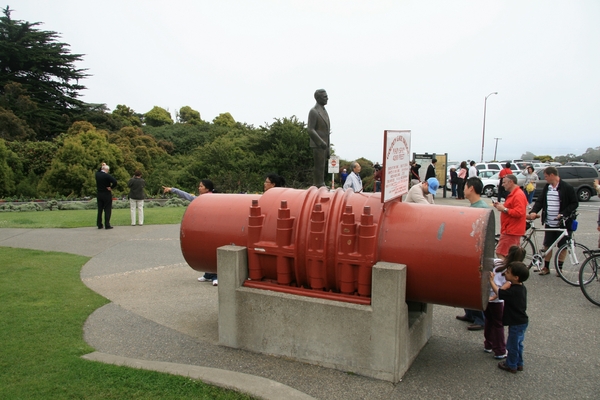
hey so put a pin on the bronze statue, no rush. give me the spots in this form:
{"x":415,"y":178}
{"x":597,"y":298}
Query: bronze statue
{"x":318,"y":130}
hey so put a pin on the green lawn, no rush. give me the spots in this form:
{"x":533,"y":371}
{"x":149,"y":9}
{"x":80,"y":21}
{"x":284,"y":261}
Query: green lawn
{"x":44,"y":306}
{"x":83,"y":218}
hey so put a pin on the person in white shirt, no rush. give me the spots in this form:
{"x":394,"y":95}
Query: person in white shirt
{"x":472,"y":170}
{"x":353,"y":180}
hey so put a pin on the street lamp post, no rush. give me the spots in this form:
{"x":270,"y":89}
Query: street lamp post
{"x":483,"y":134}
{"x":496,"y":148}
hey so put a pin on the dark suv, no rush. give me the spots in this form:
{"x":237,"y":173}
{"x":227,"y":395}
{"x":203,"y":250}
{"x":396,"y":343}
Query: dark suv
{"x":580,"y":177}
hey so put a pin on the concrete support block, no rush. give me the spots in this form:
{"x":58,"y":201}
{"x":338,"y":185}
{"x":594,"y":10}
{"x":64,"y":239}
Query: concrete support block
{"x":380,"y":340}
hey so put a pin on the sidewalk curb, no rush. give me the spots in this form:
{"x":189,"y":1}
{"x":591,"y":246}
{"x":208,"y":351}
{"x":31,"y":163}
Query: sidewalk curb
{"x":253,"y":385}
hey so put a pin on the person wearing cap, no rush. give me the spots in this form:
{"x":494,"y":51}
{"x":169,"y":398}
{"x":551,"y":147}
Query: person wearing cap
{"x":502,"y":193}
{"x":343,"y":176}
{"x":423,"y":193}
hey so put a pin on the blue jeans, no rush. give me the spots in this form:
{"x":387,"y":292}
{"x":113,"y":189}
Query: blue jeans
{"x":530,"y":196}
{"x":476,"y":315}
{"x":514,"y":345}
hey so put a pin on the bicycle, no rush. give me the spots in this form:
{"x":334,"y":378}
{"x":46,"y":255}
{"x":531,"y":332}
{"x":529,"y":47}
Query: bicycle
{"x":569,"y":272}
{"x":589,"y":277}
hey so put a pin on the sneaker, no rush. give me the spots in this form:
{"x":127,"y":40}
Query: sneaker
{"x":519,"y":368}
{"x":487,"y":350}
{"x":203,"y":279}
{"x":215,"y":282}
{"x":500,"y":357}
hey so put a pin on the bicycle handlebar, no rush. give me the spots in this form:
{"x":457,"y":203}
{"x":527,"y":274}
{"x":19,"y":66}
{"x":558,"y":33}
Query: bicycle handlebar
{"x":562,"y":219}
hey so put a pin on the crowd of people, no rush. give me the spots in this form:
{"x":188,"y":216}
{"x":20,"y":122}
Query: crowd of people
{"x":508,"y":297}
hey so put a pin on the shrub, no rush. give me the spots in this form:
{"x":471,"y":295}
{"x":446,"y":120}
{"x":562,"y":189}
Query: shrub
{"x":52,"y":205}
{"x":92,"y":204}
{"x":29,"y":207}
{"x":7,"y":207}
{"x":120,"y":204}
{"x":71,"y":205}
{"x":177,"y":202}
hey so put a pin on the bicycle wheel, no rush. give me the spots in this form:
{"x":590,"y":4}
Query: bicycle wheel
{"x":530,"y":250}
{"x":589,"y":276}
{"x":527,"y":244}
{"x":574,"y":259}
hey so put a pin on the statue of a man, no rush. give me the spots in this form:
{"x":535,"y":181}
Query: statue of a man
{"x":318,"y":130}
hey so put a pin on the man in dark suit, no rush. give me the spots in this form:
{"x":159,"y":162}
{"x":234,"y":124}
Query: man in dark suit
{"x":431,"y":170}
{"x":105,"y":182}
{"x":318,"y":130}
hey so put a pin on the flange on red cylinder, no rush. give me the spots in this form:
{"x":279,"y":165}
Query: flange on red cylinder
{"x":323,"y":243}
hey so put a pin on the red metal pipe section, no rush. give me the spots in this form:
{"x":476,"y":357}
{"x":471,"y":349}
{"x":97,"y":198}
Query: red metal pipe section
{"x":324,"y":243}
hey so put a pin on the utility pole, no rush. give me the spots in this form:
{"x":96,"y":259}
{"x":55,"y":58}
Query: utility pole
{"x":496,"y":148}
{"x":483,"y":133}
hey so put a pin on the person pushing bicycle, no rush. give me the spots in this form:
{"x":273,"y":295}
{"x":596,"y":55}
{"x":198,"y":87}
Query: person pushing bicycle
{"x":557,"y":199}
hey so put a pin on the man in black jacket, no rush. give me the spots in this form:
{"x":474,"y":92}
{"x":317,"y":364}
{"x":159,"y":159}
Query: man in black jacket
{"x":558,"y":199}
{"x":431,"y":170}
{"x":104,"y":183}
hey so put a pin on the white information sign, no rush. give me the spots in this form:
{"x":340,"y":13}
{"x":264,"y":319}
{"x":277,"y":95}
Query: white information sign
{"x":334,"y":165}
{"x":396,"y":165}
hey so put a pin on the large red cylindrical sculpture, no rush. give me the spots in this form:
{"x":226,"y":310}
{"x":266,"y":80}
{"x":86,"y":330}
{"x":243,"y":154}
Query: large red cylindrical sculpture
{"x":324,"y":243}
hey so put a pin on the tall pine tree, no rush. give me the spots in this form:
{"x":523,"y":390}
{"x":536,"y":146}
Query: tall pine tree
{"x":44,"y":70}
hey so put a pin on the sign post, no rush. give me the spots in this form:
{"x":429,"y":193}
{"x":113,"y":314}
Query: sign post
{"x":334,"y":168}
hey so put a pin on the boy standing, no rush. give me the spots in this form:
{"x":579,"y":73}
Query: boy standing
{"x":515,"y":316}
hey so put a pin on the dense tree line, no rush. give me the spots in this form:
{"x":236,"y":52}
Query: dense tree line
{"x":51,"y":143}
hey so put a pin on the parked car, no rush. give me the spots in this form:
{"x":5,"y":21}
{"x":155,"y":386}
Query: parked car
{"x":580,"y":177}
{"x":491,"y":165}
{"x":490,"y":185}
{"x":537,"y":165}
{"x":579,"y":163}
{"x":487,"y":173}
{"x":521,"y":165}
{"x":511,"y":161}
{"x":520,"y":179}
{"x":497,"y":166}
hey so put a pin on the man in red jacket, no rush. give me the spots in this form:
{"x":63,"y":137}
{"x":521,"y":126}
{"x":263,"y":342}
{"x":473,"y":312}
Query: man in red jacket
{"x":513,"y":217}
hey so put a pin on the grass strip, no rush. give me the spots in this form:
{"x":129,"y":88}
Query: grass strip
{"x":44,"y":306}
{"x":83,"y":218}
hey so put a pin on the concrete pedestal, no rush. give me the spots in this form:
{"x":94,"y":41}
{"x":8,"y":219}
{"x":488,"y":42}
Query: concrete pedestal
{"x":379,"y":341}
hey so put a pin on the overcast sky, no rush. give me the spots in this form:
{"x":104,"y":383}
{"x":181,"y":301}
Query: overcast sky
{"x":425,"y":66}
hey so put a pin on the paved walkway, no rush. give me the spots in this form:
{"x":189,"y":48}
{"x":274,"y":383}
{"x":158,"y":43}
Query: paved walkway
{"x":161,"y":318}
